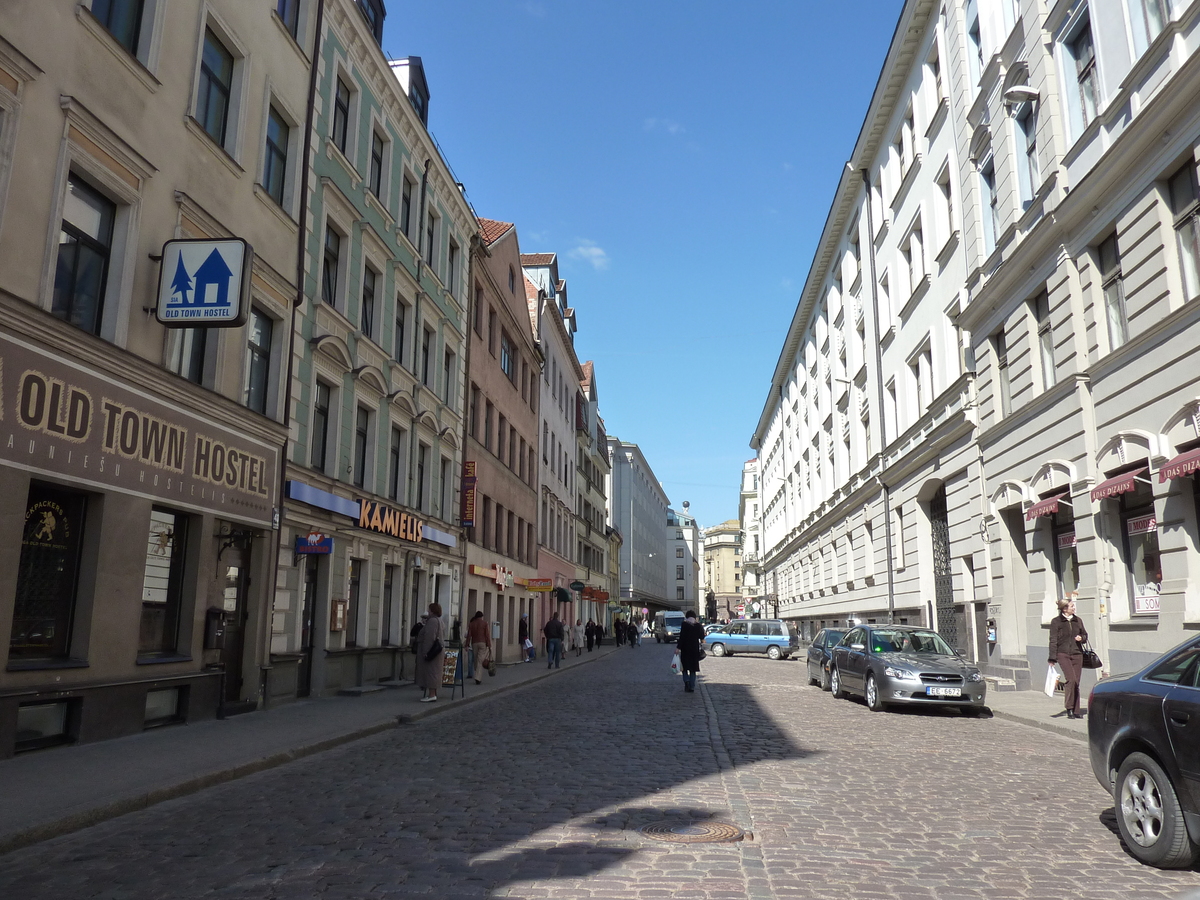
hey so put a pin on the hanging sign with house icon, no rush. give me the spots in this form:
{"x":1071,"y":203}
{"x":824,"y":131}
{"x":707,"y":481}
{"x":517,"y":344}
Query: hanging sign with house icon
{"x":204,"y":283}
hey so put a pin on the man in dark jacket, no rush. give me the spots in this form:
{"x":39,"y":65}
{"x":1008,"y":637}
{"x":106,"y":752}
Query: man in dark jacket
{"x":554,"y":639}
{"x":523,"y":636}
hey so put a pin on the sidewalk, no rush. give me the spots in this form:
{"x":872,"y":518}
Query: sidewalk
{"x":54,"y":792}
{"x":1035,"y":708}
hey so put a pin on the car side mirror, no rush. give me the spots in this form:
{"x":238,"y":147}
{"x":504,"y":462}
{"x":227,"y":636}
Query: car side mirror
{"x":858,"y":646}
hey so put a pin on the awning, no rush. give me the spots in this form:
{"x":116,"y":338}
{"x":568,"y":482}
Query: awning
{"x":1120,"y":484}
{"x":1181,"y":466}
{"x":1047,"y":507}
{"x":561,"y":595}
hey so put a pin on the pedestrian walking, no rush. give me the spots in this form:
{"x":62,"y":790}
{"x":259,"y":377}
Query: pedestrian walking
{"x":618,"y":631}
{"x":631,"y":632}
{"x":480,"y":638}
{"x":431,"y":654}
{"x":1067,"y":637}
{"x":554,"y":633}
{"x":523,"y":638}
{"x":687,"y":648}
{"x":589,"y":634}
{"x":577,"y":637}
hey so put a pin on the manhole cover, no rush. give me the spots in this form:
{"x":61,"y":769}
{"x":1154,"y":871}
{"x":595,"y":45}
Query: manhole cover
{"x":692,"y":832}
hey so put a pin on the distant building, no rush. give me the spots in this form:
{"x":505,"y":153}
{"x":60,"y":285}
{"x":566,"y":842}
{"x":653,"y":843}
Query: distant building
{"x":591,"y":502}
{"x":684,"y":560}
{"x":748,"y":514}
{"x":638,"y":508}
{"x":723,"y":570}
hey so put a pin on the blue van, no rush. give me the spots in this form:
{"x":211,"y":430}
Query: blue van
{"x":770,"y":636}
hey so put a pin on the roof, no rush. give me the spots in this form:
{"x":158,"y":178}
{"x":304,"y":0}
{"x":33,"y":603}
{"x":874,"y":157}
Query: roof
{"x":537,"y":259}
{"x":492,"y":230}
{"x":588,"y":370}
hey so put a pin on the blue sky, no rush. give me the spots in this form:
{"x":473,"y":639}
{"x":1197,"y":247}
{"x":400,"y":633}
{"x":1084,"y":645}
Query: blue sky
{"x":680,"y":157}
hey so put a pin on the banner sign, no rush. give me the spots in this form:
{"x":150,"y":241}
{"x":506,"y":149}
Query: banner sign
{"x":376,"y":516}
{"x":1142,"y":525}
{"x":468,"y":494}
{"x":1066,"y":541}
{"x":204,"y":283}
{"x":62,"y":418}
{"x":539,"y":585}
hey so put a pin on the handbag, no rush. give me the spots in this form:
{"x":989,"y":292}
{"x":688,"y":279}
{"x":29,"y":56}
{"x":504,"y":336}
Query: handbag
{"x":703,"y":655}
{"x":434,"y":650}
{"x":1091,"y":660}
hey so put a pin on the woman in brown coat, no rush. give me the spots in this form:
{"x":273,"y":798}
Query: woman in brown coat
{"x":429,"y":671}
{"x":1067,"y":637}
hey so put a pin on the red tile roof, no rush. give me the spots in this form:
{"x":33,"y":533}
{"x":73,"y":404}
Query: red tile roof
{"x":588,"y":371}
{"x":492,"y":230}
{"x":537,"y":259}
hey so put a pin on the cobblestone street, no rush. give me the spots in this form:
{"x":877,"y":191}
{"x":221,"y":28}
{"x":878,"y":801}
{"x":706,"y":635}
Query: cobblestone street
{"x":541,"y":792}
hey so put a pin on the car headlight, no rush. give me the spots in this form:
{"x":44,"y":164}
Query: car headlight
{"x":975,"y":677}
{"x":900,"y":674}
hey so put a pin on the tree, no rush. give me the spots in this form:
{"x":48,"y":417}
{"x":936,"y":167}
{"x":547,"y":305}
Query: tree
{"x":182,"y":282}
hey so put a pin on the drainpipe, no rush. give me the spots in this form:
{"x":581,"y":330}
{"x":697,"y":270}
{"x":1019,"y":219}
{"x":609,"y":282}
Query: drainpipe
{"x":883,"y":486}
{"x":301,"y":236}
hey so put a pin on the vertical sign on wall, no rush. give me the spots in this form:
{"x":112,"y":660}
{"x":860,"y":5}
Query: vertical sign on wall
{"x":468,"y":494}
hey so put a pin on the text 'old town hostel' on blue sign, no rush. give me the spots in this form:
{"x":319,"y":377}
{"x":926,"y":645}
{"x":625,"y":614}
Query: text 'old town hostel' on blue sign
{"x":204,"y":283}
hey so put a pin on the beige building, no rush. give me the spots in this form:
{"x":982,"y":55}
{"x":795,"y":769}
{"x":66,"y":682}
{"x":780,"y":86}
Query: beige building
{"x":723,"y":570}
{"x":591,"y":503}
{"x":140,"y":482}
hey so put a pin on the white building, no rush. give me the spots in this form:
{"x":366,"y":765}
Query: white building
{"x":683,"y":560}
{"x":638,"y":508}
{"x":748,"y":515}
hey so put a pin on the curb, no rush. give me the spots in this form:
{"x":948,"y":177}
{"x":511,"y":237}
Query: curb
{"x":78,"y":821}
{"x":1052,"y":727}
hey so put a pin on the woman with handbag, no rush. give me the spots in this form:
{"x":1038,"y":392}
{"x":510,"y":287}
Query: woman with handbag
{"x":1067,"y":637}
{"x":690,"y":649}
{"x":431,"y":654}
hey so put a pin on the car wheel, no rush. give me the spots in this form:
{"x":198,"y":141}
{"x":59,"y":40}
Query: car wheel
{"x":824,"y":679}
{"x":1148,"y":815}
{"x":835,"y":684}
{"x":718,"y":649}
{"x":773,"y":653}
{"x":874,"y":704}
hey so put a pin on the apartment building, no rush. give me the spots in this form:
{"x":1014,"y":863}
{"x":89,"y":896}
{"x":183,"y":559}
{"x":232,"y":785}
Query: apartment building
{"x":748,"y":518}
{"x":591,"y":502}
{"x":637,"y":508}
{"x":723,"y":571}
{"x":685,"y":555}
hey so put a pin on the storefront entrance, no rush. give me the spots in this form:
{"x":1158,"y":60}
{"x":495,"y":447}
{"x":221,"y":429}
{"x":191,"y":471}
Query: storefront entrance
{"x":236,"y":562}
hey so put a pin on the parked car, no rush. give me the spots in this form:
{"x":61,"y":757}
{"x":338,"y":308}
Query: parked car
{"x":714,"y":626}
{"x":820,"y":651}
{"x":1143,"y":734}
{"x":889,"y":664}
{"x":769,"y":636}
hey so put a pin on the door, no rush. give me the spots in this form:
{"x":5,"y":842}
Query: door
{"x":1181,"y":710}
{"x":735,"y":638}
{"x":236,"y":561}
{"x":852,"y":658}
{"x":951,"y":620}
{"x":308,"y":603}
{"x":758,"y":639}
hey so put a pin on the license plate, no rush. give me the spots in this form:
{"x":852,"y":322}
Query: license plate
{"x":943,"y":692}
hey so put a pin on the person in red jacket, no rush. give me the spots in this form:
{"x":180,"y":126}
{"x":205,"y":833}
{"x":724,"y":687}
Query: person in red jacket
{"x":1067,"y":637}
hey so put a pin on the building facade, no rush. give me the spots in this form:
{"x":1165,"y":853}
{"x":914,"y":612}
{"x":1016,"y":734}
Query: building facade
{"x":748,"y":517}
{"x":141,"y":466}
{"x":723,"y":571}
{"x":370,"y":530}
{"x":638,"y":509}
{"x":685,"y":555}
{"x":591,"y":503}
{"x":501,"y":502}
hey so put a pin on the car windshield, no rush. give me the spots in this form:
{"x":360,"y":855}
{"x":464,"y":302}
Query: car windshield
{"x":931,"y":642}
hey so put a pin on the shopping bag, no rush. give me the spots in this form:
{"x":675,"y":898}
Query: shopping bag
{"x":1051,"y":681}
{"x":528,"y":644}
{"x":676,"y":669}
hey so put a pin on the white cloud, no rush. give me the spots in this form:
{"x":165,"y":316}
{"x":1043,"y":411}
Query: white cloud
{"x":589,"y":252}
{"x":670,"y":126}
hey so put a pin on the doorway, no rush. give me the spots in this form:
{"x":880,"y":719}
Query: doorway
{"x":951,"y":621}
{"x":236,"y":563}
{"x":308,"y":603}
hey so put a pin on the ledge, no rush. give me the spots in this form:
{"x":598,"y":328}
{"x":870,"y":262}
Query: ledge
{"x":906,"y":182}
{"x":939,"y":116}
{"x":943,"y":256}
{"x":33,"y":665}
{"x":914,"y":298}
{"x":162,"y":660}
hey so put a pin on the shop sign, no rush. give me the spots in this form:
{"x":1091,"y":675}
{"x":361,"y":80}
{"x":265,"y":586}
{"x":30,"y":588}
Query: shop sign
{"x":577,"y":585}
{"x":376,"y":516}
{"x":204,"y":282}
{"x":539,"y":585}
{"x":1145,"y":603}
{"x":61,"y":418}
{"x":314,"y":542}
{"x":1066,"y":541}
{"x":1141,"y":525}
{"x":468,"y":494}
{"x":1119,"y":484}
{"x":497,"y":573}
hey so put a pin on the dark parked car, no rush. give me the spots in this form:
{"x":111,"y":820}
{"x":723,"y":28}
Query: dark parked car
{"x":903,"y":664}
{"x":820,"y":651}
{"x":1144,"y":736}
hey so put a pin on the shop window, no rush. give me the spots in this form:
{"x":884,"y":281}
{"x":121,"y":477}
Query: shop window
{"x":1066,"y":560}
{"x":163,"y":583}
{"x":164,"y":707}
{"x":46,"y":724}
{"x":389,"y":602}
{"x":355,"y":595}
{"x":47,"y":574}
{"x":84,"y":249}
{"x":1139,"y":525}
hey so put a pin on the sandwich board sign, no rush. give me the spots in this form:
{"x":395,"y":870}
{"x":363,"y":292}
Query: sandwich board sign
{"x":204,"y":283}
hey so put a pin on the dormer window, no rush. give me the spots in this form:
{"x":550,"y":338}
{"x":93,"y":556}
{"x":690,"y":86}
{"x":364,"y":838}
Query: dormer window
{"x":373,"y":12}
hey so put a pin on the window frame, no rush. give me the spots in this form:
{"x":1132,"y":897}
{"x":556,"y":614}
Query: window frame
{"x":339,"y":125}
{"x":323,"y":415}
{"x":230,"y":126}
{"x":258,"y":361}
{"x":1185,"y":212}
{"x":276,"y":158}
{"x":178,"y":582}
{"x":369,"y":300}
{"x":82,"y":239}
{"x":1112,"y":289}
{"x":362,"y":443}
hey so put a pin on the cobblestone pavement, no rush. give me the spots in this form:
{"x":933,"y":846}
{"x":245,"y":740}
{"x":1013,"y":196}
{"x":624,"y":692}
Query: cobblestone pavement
{"x":540,"y":792}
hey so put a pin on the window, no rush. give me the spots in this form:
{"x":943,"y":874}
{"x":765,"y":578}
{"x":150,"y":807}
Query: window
{"x":512,"y":280}
{"x":341,"y":115}
{"x":163,"y":583}
{"x":320,"y":426}
{"x":426,"y":341}
{"x":1027,"y":161}
{"x":447,"y":376}
{"x":430,"y":238}
{"x":1185,"y":205}
{"x":216,"y":86}
{"x":84,"y":248}
{"x":375,"y":179}
{"x":362,"y":426}
{"x":406,"y":196}
{"x":679,"y":553}
{"x":451,"y":266}
{"x":355,"y":597}
{"x":401,"y":318}
{"x":44,"y":606}
{"x":289,"y":13}
{"x":1139,"y":525}
{"x":332,"y":262}
{"x":1148,"y":18}
{"x":944,"y":207}
{"x":934,"y":64}
{"x":488,"y":414}
{"x":1003,"y":383}
{"x":493,"y":331}
{"x":444,"y":484}
{"x":123,"y":19}
{"x":974,"y":43}
{"x":366,"y":315}
{"x":1040,"y":306}
{"x":275,"y":158}
{"x":989,"y":205}
{"x":1086,"y":94}
{"x":1109,"y":257}
{"x":473,"y":413}
{"x":508,"y":357}
{"x":396,"y":465}
{"x":1066,"y":561}
{"x":422,"y":464}
{"x":914,"y":257}
{"x":187,"y":356}
{"x":258,"y":360}
{"x":373,"y":12}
